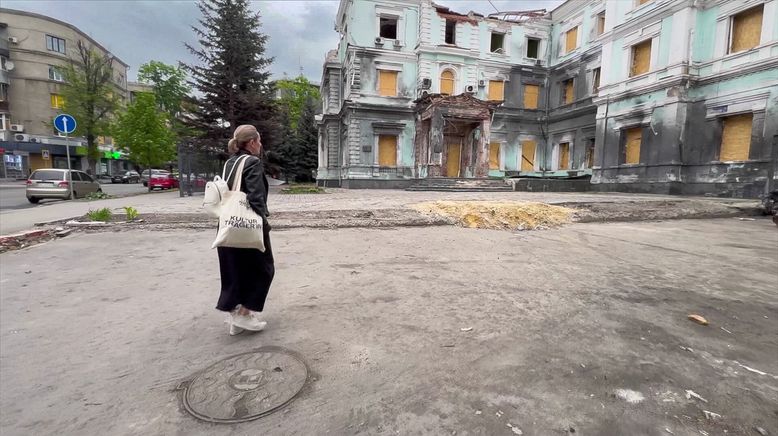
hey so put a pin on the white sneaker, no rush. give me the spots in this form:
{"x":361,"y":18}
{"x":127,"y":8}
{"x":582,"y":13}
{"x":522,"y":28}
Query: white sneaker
{"x":245,"y":322}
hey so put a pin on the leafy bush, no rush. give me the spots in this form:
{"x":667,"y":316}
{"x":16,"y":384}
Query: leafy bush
{"x":97,"y":196}
{"x":103,"y":215}
{"x":131,"y":212}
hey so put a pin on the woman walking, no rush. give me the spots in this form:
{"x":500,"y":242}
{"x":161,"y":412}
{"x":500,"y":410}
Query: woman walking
{"x":246,"y":273}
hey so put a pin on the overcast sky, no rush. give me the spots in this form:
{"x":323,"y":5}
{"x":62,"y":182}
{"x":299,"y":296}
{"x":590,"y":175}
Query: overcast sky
{"x":301,"y":32}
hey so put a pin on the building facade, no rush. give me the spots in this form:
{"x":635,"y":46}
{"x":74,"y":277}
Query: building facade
{"x":33,"y":50}
{"x":663,"y":96}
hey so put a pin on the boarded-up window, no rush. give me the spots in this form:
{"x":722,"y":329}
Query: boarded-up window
{"x":496,"y":90}
{"x":387,"y":150}
{"x":571,"y":39}
{"x":642,"y":2}
{"x":528,"y":155}
{"x":600,"y":23}
{"x":533,"y":47}
{"x":632,"y":145}
{"x":447,"y":83}
{"x":531,"y":93}
{"x":641,"y":58}
{"x":568,"y":94}
{"x":494,"y":156}
{"x":736,"y":137}
{"x":451,"y":31}
{"x":387,"y":83}
{"x":746,"y":29}
{"x":590,"y":153}
{"x":564,"y":155}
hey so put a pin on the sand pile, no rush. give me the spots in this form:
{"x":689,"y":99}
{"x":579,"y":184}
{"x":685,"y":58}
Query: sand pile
{"x":499,"y":215}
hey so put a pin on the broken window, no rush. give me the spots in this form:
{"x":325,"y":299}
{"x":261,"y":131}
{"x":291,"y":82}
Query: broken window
{"x":387,"y":83}
{"x":498,"y":39}
{"x":571,"y":39}
{"x":528,"y":155}
{"x":746,"y":29}
{"x":736,"y":137}
{"x":600,"y":23}
{"x":494,"y":156}
{"x":564,"y":156}
{"x":641,"y":58}
{"x":451,"y":31}
{"x":634,"y":137}
{"x":496,"y":90}
{"x":568,"y":94}
{"x":533,"y":47}
{"x":387,"y":150}
{"x":590,"y":153}
{"x":447,"y":83}
{"x":531,"y":93}
{"x":388,"y":27}
{"x":595,"y":80}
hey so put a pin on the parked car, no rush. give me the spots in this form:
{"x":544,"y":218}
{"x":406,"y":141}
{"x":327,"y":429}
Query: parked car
{"x":126,"y":177}
{"x":163,"y":181}
{"x":144,"y":176}
{"x":55,"y":183}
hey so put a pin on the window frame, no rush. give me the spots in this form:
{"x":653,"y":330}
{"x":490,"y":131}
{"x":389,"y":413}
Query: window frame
{"x":563,"y":87}
{"x":625,"y":144}
{"x":596,"y":78}
{"x":54,"y":71}
{"x":453,"y":81}
{"x":446,"y":24}
{"x":57,"y":101}
{"x":559,"y":156}
{"x":396,"y":19}
{"x":722,"y":121}
{"x":501,"y":50}
{"x":60,"y":43}
{"x":489,"y":89}
{"x":599,"y":18}
{"x":499,"y":163}
{"x":524,"y":96}
{"x":537,"y":48}
{"x":577,"y":36}
{"x":731,"y":28}
{"x":4,"y":87}
{"x":396,"y":81}
{"x":632,"y":51}
{"x":377,"y":154}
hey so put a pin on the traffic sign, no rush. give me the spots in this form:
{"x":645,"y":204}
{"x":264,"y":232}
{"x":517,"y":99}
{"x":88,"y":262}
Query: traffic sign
{"x":65,"y":123}
{"x":45,"y":154}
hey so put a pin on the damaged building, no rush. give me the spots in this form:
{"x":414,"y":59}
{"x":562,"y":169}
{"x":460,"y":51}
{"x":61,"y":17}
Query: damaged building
{"x":657,"y":96}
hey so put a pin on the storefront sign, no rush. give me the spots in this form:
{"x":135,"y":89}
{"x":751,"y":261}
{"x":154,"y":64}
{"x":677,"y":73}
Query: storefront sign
{"x":45,"y":154}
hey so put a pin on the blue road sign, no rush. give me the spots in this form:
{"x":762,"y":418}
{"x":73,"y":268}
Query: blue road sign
{"x":65,"y":123}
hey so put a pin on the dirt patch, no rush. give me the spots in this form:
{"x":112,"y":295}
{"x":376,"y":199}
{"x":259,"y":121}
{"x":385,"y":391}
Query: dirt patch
{"x":499,"y":215}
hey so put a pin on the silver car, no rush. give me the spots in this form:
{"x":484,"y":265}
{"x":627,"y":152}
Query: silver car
{"x":55,"y":183}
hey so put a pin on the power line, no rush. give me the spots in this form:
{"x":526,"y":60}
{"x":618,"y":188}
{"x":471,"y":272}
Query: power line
{"x":495,"y":7}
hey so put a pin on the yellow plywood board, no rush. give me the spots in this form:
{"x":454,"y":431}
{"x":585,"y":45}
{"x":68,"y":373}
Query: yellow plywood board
{"x":496,"y":90}
{"x":641,"y":58}
{"x":569,"y":92}
{"x":387,"y":83}
{"x":528,"y":155}
{"x":571,"y":39}
{"x":747,"y":29}
{"x":452,"y":159}
{"x":736,"y":137}
{"x":564,"y":156}
{"x":634,"y":139}
{"x":531,"y":93}
{"x":494,"y":156}
{"x":387,"y":151}
{"x":447,"y":83}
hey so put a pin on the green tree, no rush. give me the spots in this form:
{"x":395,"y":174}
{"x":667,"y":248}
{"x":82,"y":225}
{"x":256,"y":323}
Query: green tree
{"x":231,"y":76}
{"x":90,"y":96}
{"x":143,"y":132}
{"x":306,"y":140}
{"x":295,"y":95}
{"x":169,"y":84}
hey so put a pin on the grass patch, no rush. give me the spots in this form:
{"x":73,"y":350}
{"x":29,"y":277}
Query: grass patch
{"x":303,"y":189}
{"x":131,"y":212}
{"x":97,"y":196}
{"x":103,"y":215}
{"x":499,"y":215}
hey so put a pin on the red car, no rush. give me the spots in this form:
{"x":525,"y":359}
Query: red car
{"x":163,"y":181}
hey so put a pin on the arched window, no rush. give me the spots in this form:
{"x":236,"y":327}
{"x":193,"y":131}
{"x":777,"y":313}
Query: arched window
{"x":447,"y":82}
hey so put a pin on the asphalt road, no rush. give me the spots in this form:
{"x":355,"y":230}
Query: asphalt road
{"x":12,"y":196}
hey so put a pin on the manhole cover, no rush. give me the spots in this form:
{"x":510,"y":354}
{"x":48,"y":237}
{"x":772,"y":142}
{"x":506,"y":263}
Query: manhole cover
{"x":245,"y":387}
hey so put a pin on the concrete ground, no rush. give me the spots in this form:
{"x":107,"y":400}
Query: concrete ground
{"x":97,"y":331}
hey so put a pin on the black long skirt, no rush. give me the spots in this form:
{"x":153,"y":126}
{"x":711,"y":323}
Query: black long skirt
{"x":246,"y":276}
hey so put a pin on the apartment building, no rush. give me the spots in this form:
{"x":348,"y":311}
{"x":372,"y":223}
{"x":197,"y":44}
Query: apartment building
{"x":662,"y":96}
{"x":33,"y":50}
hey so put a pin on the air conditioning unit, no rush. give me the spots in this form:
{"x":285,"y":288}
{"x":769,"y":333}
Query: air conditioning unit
{"x":538,"y":62}
{"x":17,"y":128}
{"x":470,"y":88}
{"x":13,"y":40}
{"x":379,"y":40}
{"x":35,"y":140}
{"x":482,"y":83}
{"x":22,"y":138}
{"x":426,"y":83}
{"x":397,"y":43}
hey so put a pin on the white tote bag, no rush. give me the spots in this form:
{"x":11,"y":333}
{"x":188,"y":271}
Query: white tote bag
{"x":239,"y":225}
{"x":216,"y":189}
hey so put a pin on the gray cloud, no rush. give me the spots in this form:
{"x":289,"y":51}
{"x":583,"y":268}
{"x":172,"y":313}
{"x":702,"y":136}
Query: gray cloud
{"x":301,"y":32}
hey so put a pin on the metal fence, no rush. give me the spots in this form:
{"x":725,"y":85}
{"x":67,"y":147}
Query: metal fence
{"x":196,"y":167}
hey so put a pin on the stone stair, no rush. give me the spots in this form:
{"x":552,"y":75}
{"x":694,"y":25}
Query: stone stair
{"x":460,"y":185}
